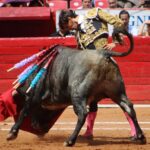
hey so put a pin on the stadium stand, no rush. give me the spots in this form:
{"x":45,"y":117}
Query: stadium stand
{"x":101,"y":3}
{"x":26,"y":21}
{"x":56,"y":5}
{"x":75,"y":4}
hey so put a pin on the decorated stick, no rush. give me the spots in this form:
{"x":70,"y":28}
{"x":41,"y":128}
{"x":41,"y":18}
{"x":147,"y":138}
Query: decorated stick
{"x":25,"y":61}
{"x":41,"y":72}
{"x":15,"y":81}
{"x":28,"y":68}
{"x":24,"y":72}
{"x":25,"y":76}
{"x":29,"y":72}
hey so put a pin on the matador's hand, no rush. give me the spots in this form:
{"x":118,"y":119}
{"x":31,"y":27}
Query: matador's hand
{"x":109,"y":46}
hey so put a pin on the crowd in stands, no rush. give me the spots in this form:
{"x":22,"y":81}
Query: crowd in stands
{"x":145,"y":29}
{"x":22,"y":3}
{"x":129,"y":3}
{"x":91,"y":3}
{"x":84,"y":4}
{"x":123,"y":15}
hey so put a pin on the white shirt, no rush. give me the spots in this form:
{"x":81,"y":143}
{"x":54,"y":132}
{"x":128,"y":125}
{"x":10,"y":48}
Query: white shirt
{"x":81,"y":22}
{"x":132,"y":30}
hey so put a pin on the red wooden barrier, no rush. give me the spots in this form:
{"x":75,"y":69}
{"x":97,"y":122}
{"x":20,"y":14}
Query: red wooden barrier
{"x":24,"y":13}
{"x":26,"y":22}
{"x":134,"y":68}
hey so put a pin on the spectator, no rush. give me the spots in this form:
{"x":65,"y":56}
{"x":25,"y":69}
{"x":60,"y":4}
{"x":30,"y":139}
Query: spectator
{"x":127,"y":3}
{"x":15,"y":3}
{"x":125,"y":17}
{"x":37,"y":3}
{"x":114,"y":4}
{"x":22,"y":3}
{"x":144,"y":4}
{"x":86,"y":4}
{"x":141,"y":3}
{"x":145,"y":32}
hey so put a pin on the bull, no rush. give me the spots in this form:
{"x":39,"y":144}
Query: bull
{"x":78,"y":78}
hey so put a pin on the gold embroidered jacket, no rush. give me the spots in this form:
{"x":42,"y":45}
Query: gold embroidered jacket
{"x":93,"y":31}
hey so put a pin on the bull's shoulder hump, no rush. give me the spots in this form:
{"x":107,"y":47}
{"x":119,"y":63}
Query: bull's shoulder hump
{"x":65,"y":48}
{"x":91,"y":55}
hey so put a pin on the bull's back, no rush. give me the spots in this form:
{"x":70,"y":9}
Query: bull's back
{"x":73,"y":66}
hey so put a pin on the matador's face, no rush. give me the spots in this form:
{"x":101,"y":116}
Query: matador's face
{"x":125,"y":18}
{"x":72,"y":24}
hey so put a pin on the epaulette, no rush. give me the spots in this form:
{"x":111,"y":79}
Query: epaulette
{"x":92,"y":13}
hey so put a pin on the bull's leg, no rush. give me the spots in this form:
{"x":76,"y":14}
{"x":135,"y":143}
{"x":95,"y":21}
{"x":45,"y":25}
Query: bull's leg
{"x":127,"y":107}
{"x":15,"y":128}
{"x":79,"y":106}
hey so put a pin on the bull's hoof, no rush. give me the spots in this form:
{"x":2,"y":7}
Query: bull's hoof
{"x":138,"y":140}
{"x":41,"y":135}
{"x":11,"y":136}
{"x":68,"y":143}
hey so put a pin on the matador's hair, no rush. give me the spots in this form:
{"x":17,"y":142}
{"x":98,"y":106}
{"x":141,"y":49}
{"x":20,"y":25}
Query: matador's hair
{"x":124,"y":12}
{"x":64,"y":17}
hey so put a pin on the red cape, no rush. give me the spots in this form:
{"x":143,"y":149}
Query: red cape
{"x":9,"y":107}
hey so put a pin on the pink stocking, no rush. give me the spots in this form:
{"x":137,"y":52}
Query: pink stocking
{"x":90,"y":124}
{"x":133,"y":130}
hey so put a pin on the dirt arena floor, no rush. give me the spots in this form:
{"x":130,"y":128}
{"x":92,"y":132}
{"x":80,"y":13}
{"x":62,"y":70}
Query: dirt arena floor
{"x":111,"y":132}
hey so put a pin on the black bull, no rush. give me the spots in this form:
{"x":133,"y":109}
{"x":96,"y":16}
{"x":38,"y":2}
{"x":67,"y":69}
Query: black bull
{"x":79,"y":78}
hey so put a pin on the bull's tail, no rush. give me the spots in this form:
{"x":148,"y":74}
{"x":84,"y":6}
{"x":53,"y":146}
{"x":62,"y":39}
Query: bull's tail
{"x":109,"y":53}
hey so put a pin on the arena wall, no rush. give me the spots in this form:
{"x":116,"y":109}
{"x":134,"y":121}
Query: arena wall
{"x":26,"y":21}
{"x":134,"y":68}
